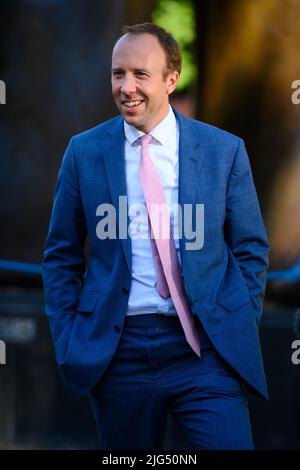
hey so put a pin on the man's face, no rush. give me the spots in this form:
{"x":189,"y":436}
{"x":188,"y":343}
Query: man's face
{"x":139,"y":88}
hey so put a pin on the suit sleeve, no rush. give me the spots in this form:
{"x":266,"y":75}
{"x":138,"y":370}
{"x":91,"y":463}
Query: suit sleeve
{"x":244,"y":228}
{"x":64,"y":259}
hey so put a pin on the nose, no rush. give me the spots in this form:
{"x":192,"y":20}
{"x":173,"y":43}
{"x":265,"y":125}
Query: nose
{"x":128,"y":85}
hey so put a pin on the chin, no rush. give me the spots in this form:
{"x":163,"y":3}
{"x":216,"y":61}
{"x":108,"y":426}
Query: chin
{"x":132,"y":120}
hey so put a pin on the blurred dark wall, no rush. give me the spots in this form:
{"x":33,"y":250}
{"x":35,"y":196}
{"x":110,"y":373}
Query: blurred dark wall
{"x":55,"y":60}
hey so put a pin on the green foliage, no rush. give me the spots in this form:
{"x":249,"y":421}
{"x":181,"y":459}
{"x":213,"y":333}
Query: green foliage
{"x":178,"y":17}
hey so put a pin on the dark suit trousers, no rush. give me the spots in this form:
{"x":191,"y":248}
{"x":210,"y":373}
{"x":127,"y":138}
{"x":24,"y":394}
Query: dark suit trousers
{"x":153,"y":369}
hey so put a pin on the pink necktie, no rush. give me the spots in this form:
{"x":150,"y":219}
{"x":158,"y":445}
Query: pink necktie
{"x":165,"y":258}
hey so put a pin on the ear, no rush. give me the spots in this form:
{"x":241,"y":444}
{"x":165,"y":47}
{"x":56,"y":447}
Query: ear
{"x":172,"y":80}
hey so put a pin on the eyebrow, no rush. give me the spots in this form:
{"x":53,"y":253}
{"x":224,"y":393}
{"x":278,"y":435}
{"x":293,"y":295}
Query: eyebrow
{"x":119,"y":69}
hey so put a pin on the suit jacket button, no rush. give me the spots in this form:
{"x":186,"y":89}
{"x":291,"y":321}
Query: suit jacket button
{"x":125,"y":290}
{"x":117,"y":328}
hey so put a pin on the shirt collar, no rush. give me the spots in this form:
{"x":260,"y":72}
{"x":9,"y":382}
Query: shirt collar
{"x":161,"y":132}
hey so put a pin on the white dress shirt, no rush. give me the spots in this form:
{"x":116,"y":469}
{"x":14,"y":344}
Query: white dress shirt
{"x":163,"y":151}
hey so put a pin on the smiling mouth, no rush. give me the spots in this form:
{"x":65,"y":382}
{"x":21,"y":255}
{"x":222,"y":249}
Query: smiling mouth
{"x":132,"y":104}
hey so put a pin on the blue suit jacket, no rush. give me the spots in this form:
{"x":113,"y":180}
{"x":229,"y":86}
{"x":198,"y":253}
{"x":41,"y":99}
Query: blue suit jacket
{"x":87,"y":286}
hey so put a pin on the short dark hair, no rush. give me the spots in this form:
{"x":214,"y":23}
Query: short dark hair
{"x":166,"y":40}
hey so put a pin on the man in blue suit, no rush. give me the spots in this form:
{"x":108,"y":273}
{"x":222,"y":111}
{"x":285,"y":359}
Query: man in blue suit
{"x":116,"y":338}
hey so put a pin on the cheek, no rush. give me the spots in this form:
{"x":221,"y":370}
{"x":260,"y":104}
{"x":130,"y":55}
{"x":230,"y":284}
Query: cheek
{"x":115,"y":88}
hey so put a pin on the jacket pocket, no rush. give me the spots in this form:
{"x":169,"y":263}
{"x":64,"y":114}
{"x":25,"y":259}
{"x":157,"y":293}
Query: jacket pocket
{"x":87,"y":302}
{"x":234,"y":300}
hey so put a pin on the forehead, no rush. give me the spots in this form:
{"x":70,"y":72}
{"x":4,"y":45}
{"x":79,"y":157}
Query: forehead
{"x":138,"y":50}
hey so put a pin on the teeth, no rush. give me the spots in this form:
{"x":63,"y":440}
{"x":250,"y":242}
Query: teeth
{"x":132,"y":103}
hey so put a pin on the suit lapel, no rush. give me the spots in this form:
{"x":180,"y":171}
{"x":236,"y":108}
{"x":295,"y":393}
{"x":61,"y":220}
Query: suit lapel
{"x":115,"y":168}
{"x":191,"y":155}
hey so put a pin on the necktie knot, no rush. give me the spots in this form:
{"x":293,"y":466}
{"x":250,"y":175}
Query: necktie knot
{"x":146,"y":139}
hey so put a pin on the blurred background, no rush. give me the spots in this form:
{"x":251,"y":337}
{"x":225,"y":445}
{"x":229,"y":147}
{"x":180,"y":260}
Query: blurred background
{"x":241,"y":58}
